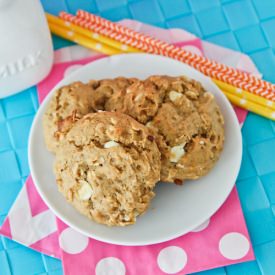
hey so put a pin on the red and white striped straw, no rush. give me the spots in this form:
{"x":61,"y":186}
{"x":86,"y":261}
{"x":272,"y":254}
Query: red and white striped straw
{"x":149,"y":47}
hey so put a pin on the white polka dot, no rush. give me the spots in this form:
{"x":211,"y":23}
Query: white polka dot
{"x":124,"y":47}
{"x":192,"y":49}
{"x":110,"y":266}
{"x":70,"y":33}
{"x":234,"y":246}
{"x":71,"y":69}
{"x":273,"y":115}
{"x":98,"y":46}
{"x":243,"y":101}
{"x":95,"y":35}
{"x":68,"y":24}
{"x":202,"y":226}
{"x":269,"y":103}
{"x":73,"y":242}
{"x":239,"y":91}
{"x":172,"y":259}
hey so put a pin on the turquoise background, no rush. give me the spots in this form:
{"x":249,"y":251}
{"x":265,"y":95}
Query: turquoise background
{"x":247,"y":26}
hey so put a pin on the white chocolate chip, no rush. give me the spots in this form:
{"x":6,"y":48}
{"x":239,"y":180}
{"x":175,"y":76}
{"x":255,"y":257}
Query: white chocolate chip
{"x":110,"y":144}
{"x":177,"y":152}
{"x":180,"y":165}
{"x":173,"y":95}
{"x":201,"y":142}
{"x":149,"y":124}
{"x":138,"y":97}
{"x":126,"y":218}
{"x":85,"y":191}
{"x":113,"y":121}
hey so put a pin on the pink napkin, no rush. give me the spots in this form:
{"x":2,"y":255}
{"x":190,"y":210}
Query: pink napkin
{"x":219,"y":241}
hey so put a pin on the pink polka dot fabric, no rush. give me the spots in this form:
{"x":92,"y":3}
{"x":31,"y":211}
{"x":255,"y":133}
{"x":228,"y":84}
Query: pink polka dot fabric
{"x":221,"y":240}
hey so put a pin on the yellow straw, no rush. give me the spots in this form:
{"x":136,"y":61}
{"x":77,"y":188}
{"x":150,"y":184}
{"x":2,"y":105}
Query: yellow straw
{"x":82,"y":40}
{"x":102,"y":44}
{"x":245,"y":95}
{"x":91,"y":35}
{"x":250,"y":106}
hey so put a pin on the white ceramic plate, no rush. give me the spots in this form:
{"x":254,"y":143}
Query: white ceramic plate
{"x":176,"y":210}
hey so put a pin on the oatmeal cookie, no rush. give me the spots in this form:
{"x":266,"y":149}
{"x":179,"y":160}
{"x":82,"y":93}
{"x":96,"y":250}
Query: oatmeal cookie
{"x":68,"y":104}
{"x":107,"y":167}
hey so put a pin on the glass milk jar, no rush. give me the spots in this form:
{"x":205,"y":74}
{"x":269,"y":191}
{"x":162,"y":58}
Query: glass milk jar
{"x":26,"y":51}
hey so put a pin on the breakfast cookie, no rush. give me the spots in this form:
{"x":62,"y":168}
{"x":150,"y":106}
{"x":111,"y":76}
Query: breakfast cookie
{"x":68,"y":104}
{"x":184,"y":118}
{"x":107,"y":167}
{"x":191,"y":127}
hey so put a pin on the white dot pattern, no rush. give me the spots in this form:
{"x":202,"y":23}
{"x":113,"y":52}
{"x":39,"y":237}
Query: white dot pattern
{"x":243,"y":101}
{"x":124,"y":47}
{"x":234,"y":246}
{"x":98,"y":46}
{"x":239,"y":91}
{"x":202,"y":226}
{"x":70,"y":33}
{"x":172,"y":259}
{"x":72,"y":241}
{"x":110,"y":266}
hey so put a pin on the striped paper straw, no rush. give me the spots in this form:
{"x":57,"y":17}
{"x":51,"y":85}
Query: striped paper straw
{"x":151,"y":45}
{"x":147,"y":39}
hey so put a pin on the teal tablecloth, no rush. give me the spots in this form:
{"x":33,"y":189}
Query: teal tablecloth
{"x":247,"y":26}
